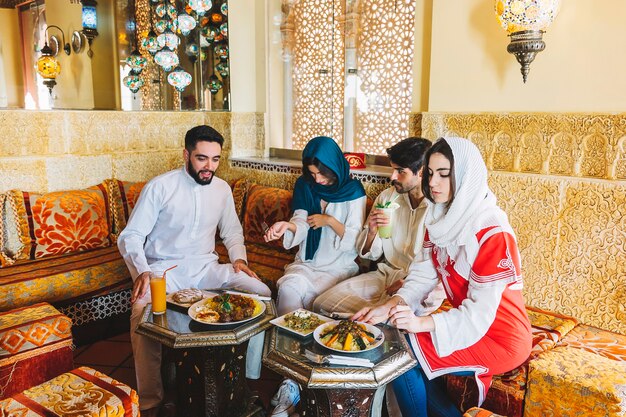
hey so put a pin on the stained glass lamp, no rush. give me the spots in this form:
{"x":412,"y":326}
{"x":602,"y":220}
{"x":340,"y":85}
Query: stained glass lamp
{"x":136,"y":61}
{"x":179,"y":79}
{"x":200,"y":6}
{"x":48,"y":67}
{"x":90,"y":22}
{"x":166,"y":58}
{"x":526,"y":22}
{"x":214,"y":84}
{"x":150,"y":43}
{"x":186,"y":23}
{"x":133,"y":81}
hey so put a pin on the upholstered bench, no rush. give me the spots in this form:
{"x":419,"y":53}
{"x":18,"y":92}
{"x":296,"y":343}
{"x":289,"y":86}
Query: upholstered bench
{"x":568,"y":382}
{"x":35,"y":345}
{"x":80,"y":392}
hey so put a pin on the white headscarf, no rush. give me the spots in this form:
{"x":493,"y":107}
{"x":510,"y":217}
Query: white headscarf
{"x":473,"y":208}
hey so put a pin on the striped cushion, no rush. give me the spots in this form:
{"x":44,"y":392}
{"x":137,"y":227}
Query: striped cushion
{"x":63,"y":278}
{"x":81,"y":392}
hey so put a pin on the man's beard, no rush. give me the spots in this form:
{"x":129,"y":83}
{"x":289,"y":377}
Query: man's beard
{"x":196,"y":175}
{"x":400,"y":188}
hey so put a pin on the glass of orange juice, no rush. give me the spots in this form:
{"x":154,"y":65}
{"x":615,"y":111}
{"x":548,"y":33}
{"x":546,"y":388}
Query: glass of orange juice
{"x":157,"y":292}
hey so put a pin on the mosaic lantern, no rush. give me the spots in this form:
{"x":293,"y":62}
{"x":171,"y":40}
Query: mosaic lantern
{"x":224,"y":29}
{"x":168,"y":39}
{"x":200,"y":6}
{"x":48,"y":67}
{"x":136,"y":61}
{"x":162,"y":25}
{"x":214,"y":84}
{"x":224,"y":9}
{"x":222,"y":69}
{"x":186,"y":23}
{"x":166,"y":58}
{"x":212,"y":34}
{"x":179,"y":79}
{"x":171,"y":11}
{"x":150,"y":43}
{"x":192,"y":49}
{"x":525,"y":21}
{"x":221,"y":51}
{"x":133,"y":81}
{"x":217,"y":18}
{"x":161,"y":10}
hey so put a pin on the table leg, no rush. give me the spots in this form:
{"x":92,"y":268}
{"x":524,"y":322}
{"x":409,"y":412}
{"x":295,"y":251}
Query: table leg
{"x":341,"y":402}
{"x":211,"y":382}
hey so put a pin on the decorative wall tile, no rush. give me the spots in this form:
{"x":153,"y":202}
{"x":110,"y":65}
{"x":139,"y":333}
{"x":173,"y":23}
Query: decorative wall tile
{"x":145,"y":165}
{"x":26,"y":133}
{"x":248,"y":134}
{"x":28,"y":174}
{"x":72,"y":172}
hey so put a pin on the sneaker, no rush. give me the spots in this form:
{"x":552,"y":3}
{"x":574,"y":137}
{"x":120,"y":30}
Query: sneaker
{"x":286,"y":398}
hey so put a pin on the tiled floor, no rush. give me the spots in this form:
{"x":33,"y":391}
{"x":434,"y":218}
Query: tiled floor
{"x":114,"y":357}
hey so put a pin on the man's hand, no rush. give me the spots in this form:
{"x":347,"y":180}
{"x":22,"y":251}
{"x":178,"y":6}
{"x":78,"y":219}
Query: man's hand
{"x":276,"y":231}
{"x":140,"y":286}
{"x":394,"y":287}
{"x":318,"y":220}
{"x":376,"y":219}
{"x":372,"y":315}
{"x":241,"y":266}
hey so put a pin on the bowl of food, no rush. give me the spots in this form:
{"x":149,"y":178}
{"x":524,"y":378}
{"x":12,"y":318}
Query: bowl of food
{"x":301,"y":322}
{"x":347,"y":336}
{"x":226,"y":309}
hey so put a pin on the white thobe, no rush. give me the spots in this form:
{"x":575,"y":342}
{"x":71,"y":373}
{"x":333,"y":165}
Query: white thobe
{"x":333,"y":261}
{"x":174,"y":223}
{"x":398,"y":251}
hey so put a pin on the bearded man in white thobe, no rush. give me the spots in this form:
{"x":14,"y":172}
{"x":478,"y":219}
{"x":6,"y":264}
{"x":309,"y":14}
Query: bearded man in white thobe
{"x":174,"y":223}
{"x":394,"y":254}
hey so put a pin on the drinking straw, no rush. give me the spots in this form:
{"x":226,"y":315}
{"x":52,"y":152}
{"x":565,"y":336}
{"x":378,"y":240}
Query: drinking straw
{"x":171,"y":267}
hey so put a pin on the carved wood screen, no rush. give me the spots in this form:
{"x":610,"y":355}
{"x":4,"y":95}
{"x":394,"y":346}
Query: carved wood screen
{"x":372,"y":93}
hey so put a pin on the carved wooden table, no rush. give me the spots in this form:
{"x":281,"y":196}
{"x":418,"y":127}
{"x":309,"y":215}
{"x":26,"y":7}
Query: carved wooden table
{"x":209,"y":361}
{"x":331,"y":390}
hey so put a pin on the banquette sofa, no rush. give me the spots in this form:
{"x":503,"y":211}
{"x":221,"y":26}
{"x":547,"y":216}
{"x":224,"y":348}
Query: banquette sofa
{"x":60,"y":248}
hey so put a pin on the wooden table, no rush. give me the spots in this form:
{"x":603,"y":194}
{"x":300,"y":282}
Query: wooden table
{"x":330,"y":390}
{"x":209,"y":361}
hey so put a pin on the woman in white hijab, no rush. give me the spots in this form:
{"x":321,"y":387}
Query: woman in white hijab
{"x":470,"y":247}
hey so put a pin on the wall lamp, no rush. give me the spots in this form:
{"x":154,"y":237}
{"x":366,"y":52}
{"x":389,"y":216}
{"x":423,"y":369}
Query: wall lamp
{"x":47,"y":65}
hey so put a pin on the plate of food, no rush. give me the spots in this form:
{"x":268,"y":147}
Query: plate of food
{"x":347,"y":336}
{"x":226,"y":309}
{"x":301,"y":322}
{"x":185,"y":298}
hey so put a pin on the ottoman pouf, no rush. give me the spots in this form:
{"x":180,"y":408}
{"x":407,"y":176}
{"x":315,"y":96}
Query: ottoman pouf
{"x":568,"y":382}
{"x":35,"y":345}
{"x":80,"y":392}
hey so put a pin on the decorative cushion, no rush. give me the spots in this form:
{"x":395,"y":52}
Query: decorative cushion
{"x":601,"y":342}
{"x":81,"y":392}
{"x":568,"y":382}
{"x":240,"y":192}
{"x":265,"y":204}
{"x":63,"y":278}
{"x":58,"y":222}
{"x":124,"y":196}
{"x":480,"y":412}
{"x":35,"y":345}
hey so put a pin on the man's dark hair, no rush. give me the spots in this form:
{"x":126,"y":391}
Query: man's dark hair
{"x":202,"y":133}
{"x":409,"y":153}
{"x":442,"y":147}
{"x":324,"y":170}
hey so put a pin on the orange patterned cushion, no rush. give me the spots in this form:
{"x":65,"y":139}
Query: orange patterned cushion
{"x":601,"y":342}
{"x":265,"y":204}
{"x":480,"y":412}
{"x":60,"y":222}
{"x":124,"y":196}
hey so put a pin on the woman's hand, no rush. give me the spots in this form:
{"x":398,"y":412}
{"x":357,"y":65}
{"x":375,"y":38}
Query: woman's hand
{"x":277,"y":230}
{"x":372,"y":315}
{"x":318,"y":220}
{"x":404,"y":319}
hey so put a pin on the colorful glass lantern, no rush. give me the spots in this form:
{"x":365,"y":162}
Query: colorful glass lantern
{"x":90,"y":22}
{"x":200,"y":6}
{"x":162,"y":25}
{"x":171,"y":11}
{"x":186,"y":23}
{"x":217,"y":18}
{"x":48,"y":67}
{"x":224,"y":9}
{"x":526,"y":21}
{"x":133,"y":81}
{"x":224,"y":29}
{"x":168,"y":39}
{"x":222,"y":69}
{"x":192,"y":49}
{"x":161,"y":10}
{"x":179,"y":79}
{"x":212,"y":34}
{"x":136,"y":61}
{"x":150,"y":43}
{"x":214,"y":84}
{"x":166,"y":58}
{"x":221,"y":51}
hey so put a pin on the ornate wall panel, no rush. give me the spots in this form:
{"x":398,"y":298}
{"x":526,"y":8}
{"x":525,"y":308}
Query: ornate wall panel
{"x":385,"y":55}
{"x":318,"y":70}
{"x":560,"y":178}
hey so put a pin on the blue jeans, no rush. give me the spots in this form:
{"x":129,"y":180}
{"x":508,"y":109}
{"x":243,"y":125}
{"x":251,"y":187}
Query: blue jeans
{"x":419,"y":397}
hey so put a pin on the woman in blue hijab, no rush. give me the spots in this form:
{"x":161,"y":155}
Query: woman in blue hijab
{"x":328,"y":212}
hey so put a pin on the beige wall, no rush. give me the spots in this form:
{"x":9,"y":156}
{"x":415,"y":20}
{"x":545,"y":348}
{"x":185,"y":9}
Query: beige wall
{"x":10,"y":51}
{"x":581,"y":70}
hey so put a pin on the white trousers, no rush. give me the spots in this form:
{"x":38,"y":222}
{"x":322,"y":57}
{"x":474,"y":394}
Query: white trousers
{"x":147,"y":352}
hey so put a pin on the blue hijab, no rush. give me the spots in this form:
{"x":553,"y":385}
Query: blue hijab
{"x":307,"y":193}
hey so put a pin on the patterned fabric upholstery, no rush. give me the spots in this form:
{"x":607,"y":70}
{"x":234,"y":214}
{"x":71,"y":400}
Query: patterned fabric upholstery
{"x":56,"y":223}
{"x":81,"y":392}
{"x":568,"y":382}
{"x":601,"y":342}
{"x":35,"y":345}
{"x":265,"y":204}
{"x":480,"y":412}
{"x":506,"y":395}
{"x":124,"y":195}
{"x":63,"y":278}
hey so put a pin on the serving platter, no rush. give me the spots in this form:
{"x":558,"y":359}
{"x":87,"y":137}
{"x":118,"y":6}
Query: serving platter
{"x":379,"y":336}
{"x":282,"y":323}
{"x":259,"y":308}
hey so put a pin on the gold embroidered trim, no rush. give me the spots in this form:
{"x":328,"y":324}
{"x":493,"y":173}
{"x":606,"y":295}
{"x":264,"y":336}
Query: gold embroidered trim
{"x":36,"y":352}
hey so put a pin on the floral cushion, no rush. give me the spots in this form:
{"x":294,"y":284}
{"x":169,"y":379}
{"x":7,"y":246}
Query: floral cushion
{"x":124,"y":196}
{"x":265,"y":204}
{"x":599,"y":341}
{"x":568,"y":382}
{"x":480,"y":412}
{"x":81,"y":392}
{"x":58,"y":222}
